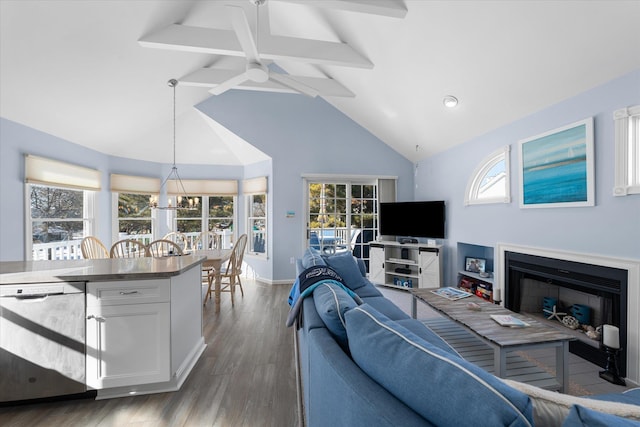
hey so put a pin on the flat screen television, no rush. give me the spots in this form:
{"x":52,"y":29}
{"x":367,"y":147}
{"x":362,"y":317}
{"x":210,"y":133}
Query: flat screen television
{"x":413,"y":219}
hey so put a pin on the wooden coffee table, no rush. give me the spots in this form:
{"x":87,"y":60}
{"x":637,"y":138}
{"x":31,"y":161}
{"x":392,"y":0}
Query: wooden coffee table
{"x":502,"y":339}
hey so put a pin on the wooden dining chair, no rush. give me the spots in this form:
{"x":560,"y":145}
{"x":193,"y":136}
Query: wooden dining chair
{"x":162,"y":247}
{"x":206,"y":240}
{"x":93,"y":248}
{"x":177,"y":238}
{"x":128,"y":248}
{"x":230,"y":274}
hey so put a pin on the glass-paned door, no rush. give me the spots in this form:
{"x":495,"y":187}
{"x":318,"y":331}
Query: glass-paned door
{"x":342,"y":217}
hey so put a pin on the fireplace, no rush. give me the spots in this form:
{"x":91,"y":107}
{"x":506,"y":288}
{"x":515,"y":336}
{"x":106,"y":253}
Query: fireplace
{"x":530,"y":277}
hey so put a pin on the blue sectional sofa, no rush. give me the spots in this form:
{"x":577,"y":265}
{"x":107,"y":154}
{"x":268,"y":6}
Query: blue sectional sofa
{"x":364,"y":362}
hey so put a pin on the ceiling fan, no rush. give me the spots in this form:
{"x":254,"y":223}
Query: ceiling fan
{"x":255,"y":70}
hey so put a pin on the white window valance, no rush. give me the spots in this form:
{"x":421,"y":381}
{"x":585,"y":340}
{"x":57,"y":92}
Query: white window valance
{"x":201,"y":187}
{"x":254,"y":186}
{"x":134,"y":184}
{"x":40,"y":170}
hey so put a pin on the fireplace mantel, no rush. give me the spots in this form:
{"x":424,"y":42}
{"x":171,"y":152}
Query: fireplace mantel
{"x":633,"y":291}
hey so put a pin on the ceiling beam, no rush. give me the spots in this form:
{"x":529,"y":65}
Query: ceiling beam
{"x":224,"y":42}
{"x":390,"y":8}
{"x":211,"y":77}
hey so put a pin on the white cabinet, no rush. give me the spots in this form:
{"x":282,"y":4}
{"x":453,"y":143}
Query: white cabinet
{"x":405,"y":265}
{"x":128,"y":333}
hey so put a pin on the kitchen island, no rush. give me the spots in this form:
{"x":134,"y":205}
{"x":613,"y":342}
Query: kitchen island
{"x":141,"y":323}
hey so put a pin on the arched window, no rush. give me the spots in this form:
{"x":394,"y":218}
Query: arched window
{"x":489,"y":183}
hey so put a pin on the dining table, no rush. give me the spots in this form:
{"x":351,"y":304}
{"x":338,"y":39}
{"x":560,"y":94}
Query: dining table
{"x":214,"y":260}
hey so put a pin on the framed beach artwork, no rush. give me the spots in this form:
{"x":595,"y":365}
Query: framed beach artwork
{"x":556,"y":167}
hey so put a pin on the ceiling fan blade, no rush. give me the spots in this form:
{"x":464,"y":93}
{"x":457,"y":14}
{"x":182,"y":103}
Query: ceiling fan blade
{"x":229,"y":84}
{"x":243,"y":32}
{"x":289,"y":82}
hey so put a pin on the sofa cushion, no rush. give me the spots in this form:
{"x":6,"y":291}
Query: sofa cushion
{"x":551,"y":408}
{"x":413,"y":369}
{"x":311,"y":258}
{"x":584,"y":417}
{"x":368,"y":290}
{"x":347,"y":267}
{"x":386,"y":307}
{"x":424,"y":332}
{"x":331,"y":303}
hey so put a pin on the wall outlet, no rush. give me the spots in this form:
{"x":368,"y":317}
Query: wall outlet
{"x":292,"y":260}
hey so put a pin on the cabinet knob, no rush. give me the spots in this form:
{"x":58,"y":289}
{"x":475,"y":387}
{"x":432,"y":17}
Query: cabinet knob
{"x":98,"y":318}
{"x":128,"y":292}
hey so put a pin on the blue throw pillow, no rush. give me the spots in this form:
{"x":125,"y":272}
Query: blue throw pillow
{"x":441,"y":387}
{"x":347,"y":267}
{"x":312,"y":258}
{"x":580,"y":416}
{"x":331,"y":303}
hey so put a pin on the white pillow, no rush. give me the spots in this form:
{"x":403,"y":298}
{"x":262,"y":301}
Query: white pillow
{"x":550,"y":408}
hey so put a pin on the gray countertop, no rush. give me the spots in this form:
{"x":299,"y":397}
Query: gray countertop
{"x":16,"y":272}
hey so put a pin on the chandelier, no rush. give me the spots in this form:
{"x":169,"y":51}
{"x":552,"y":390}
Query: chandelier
{"x":183,"y":201}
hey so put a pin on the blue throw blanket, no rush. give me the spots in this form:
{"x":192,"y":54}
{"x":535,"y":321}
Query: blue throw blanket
{"x":307,"y":281}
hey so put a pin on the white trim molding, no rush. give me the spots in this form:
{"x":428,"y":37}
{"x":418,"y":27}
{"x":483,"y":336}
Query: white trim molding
{"x":627,"y":151}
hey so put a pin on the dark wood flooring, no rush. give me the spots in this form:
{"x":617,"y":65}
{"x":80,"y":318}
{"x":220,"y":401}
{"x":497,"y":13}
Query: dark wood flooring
{"x":246,"y":377}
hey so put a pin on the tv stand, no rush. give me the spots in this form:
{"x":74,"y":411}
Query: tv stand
{"x":405,"y":265}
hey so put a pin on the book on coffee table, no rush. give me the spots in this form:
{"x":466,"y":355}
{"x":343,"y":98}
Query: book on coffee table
{"x":451,"y":293}
{"x":508,"y":320}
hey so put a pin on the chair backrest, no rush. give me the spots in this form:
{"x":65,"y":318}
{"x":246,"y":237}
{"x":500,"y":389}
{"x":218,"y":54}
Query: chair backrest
{"x":206,"y":240}
{"x":234,"y":265}
{"x":93,"y":248}
{"x":128,"y":248}
{"x":162,"y":247}
{"x":177,"y":238}
{"x":314,"y":241}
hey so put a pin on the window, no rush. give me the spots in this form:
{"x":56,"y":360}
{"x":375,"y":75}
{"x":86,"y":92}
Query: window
{"x":627,"y":148}
{"x":214,"y":213}
{"x":60,"y":211}
{"x":135,"y":220}
{"x":59,"y":221}
{"x":490,"y":181}
{"x":257,"y":223}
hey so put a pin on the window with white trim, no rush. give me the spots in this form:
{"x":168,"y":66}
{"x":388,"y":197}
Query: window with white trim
{"x":60,"y":208}
{"x":132,"y":218}
{"x":627,"y":151}
{"x":135,"y":218}
{"x":489,"y":183}
{"x":255,"y":192}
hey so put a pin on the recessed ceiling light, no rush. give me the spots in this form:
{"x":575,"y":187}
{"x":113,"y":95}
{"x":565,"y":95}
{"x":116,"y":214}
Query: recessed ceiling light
{"x":450,"y":101}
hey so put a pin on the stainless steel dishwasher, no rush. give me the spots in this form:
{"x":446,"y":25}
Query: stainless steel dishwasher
{"x":42,"y":340}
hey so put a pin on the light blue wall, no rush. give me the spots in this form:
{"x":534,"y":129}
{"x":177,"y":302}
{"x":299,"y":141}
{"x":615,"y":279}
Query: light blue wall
{"x":17,"y":140}
{"x":610,"y":228}
{"x":303,"y":136}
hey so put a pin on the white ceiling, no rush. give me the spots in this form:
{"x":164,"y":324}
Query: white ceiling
{"x":76,"y":70}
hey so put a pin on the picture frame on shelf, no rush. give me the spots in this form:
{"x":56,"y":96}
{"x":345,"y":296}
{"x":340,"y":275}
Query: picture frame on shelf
{"x":557,"y":167}
{"x":475,"y":265}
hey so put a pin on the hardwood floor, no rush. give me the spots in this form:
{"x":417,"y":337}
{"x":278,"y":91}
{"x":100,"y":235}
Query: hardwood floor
{"x":246,"y":376}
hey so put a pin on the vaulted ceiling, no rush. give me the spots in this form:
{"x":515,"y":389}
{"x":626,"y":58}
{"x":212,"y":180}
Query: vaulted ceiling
{"x":95,"y":72}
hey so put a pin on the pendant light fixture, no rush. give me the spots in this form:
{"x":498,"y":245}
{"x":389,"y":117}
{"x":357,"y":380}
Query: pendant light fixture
{"x":183,"y":201}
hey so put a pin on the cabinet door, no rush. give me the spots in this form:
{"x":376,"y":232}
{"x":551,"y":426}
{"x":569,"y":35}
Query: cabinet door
{"x":376,"y":264}
{"x":128,"y":345}
{"x":429,"y":269}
